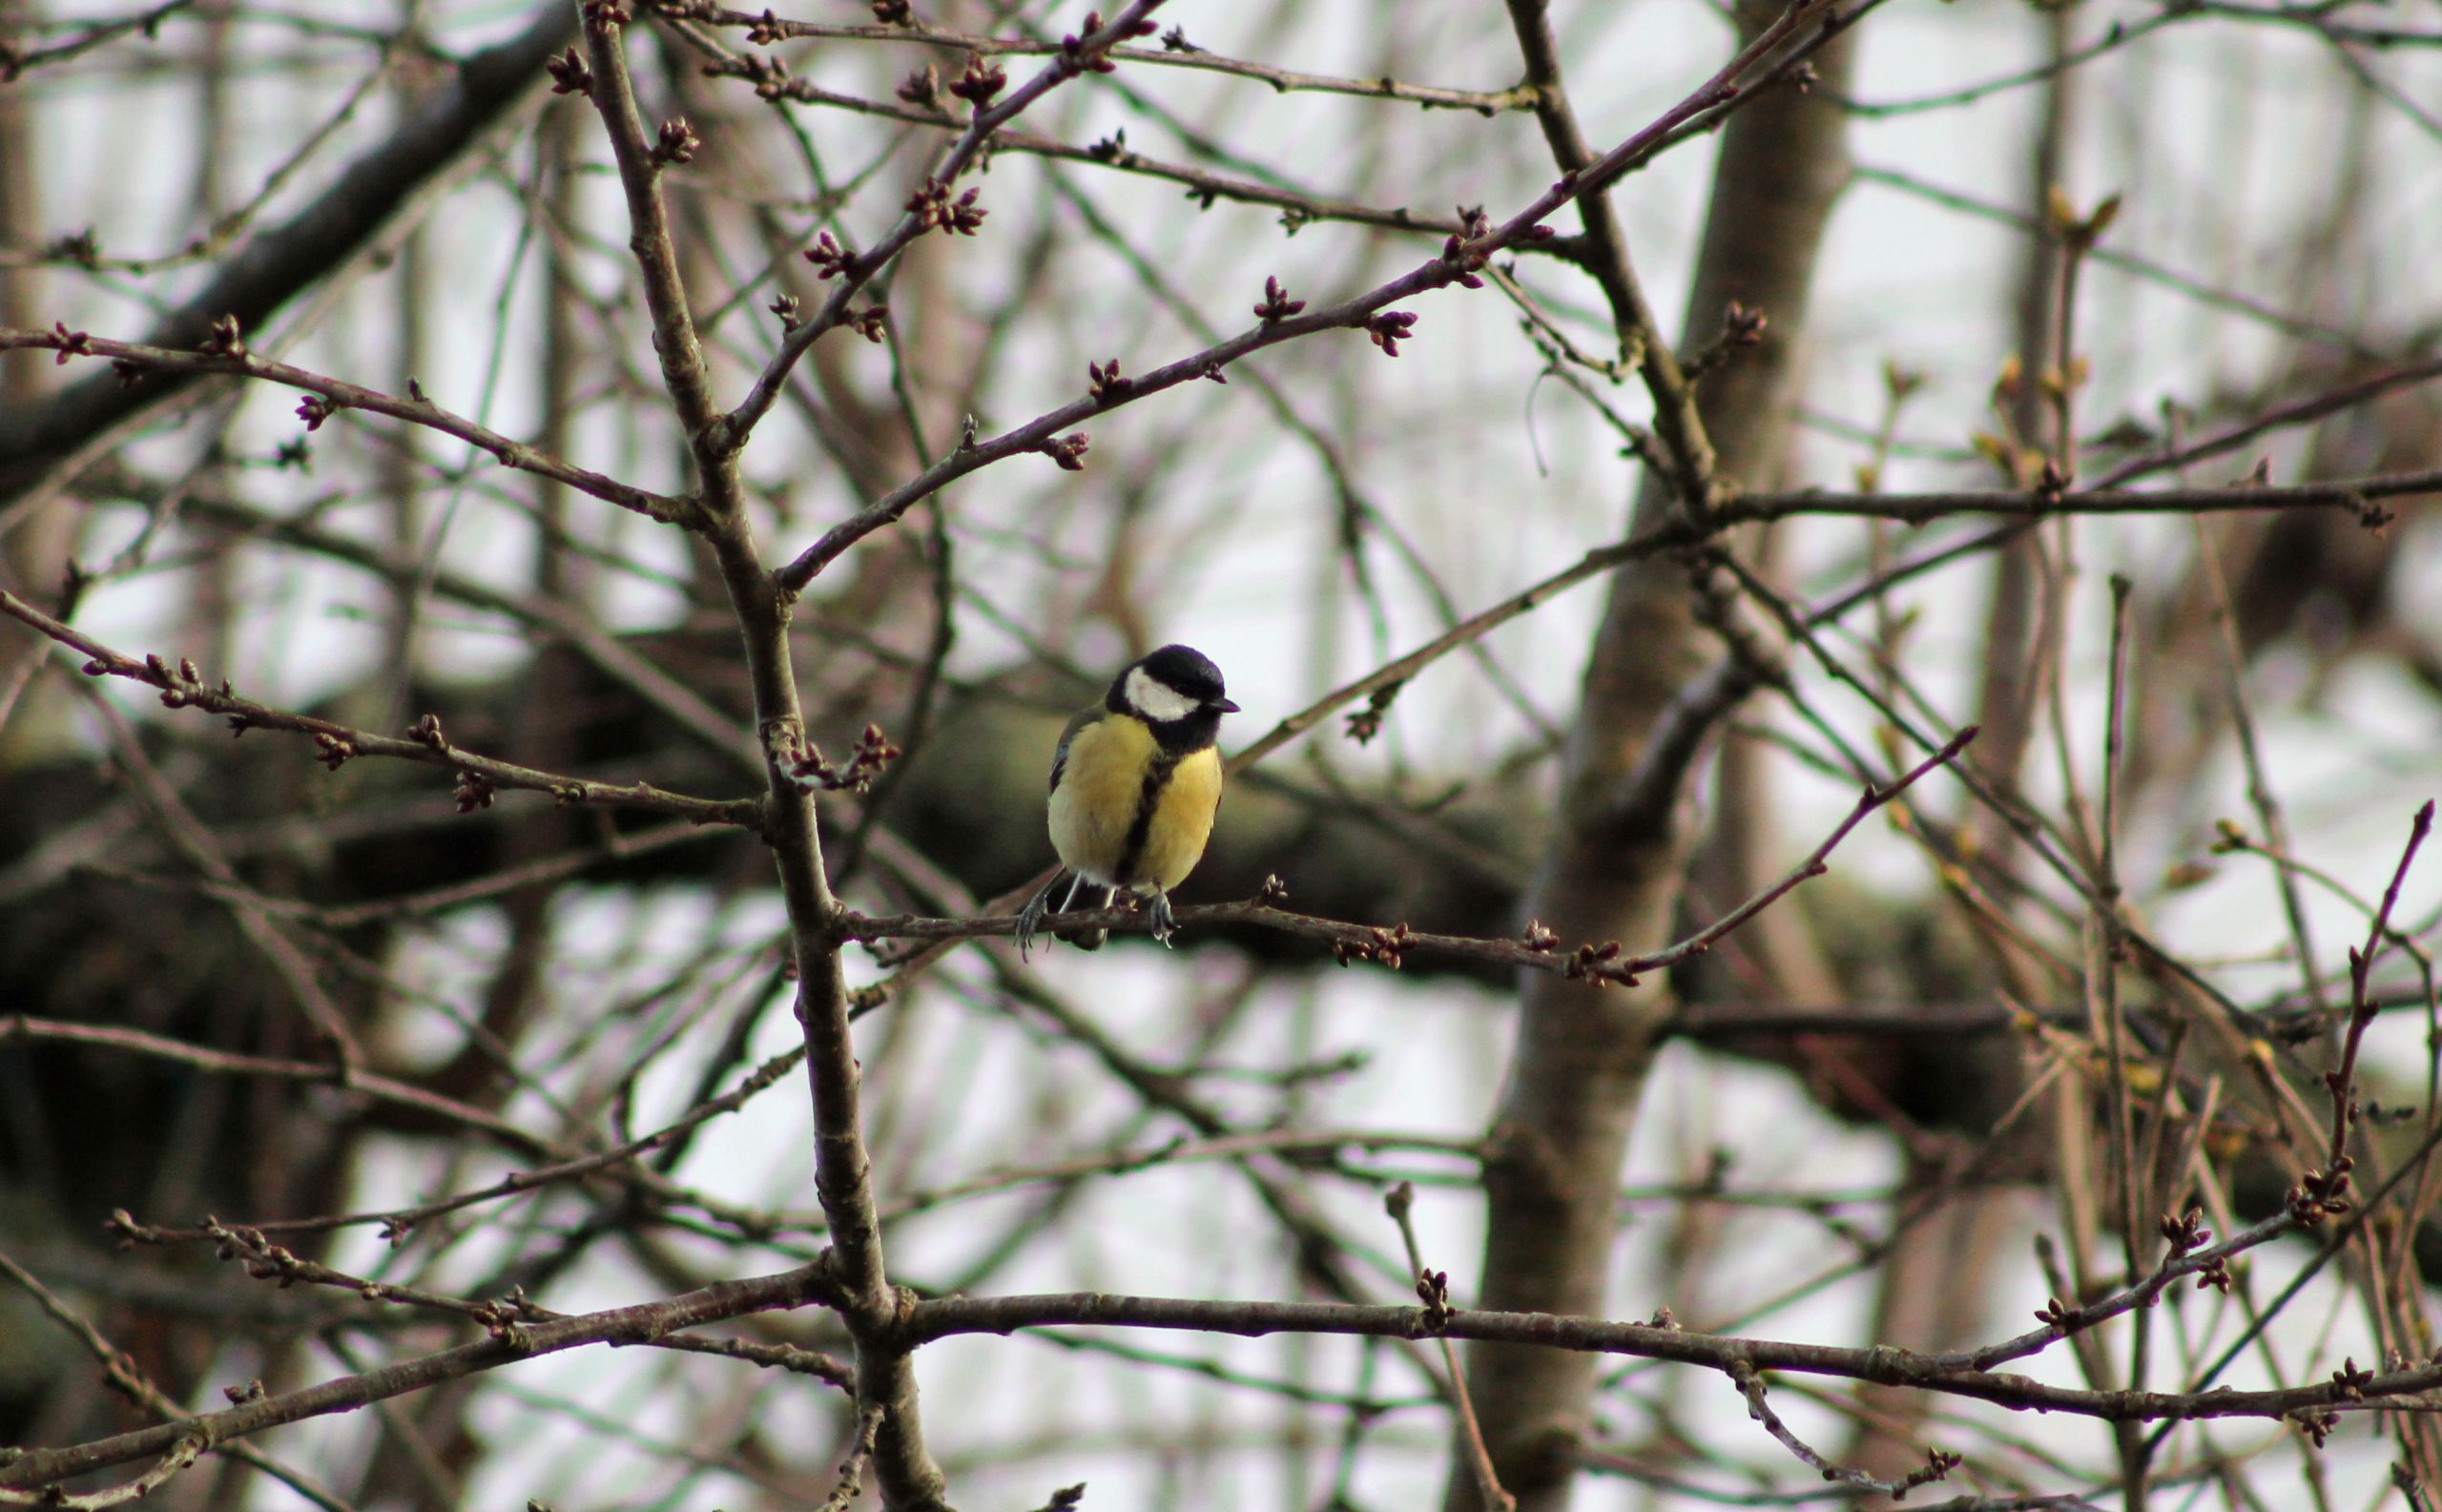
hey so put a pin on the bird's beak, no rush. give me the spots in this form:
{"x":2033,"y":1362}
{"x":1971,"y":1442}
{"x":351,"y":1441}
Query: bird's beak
{"x":1225,"y":706}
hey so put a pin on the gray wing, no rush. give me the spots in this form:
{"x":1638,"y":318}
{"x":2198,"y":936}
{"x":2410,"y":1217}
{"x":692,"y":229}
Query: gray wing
{"x":1060,"y":758}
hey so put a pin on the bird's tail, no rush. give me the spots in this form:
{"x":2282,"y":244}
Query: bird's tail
{"x":1085,"y":939}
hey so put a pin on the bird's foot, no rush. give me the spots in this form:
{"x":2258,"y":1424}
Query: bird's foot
{"x":1164,"y":925}
{"x":1030,"y":917}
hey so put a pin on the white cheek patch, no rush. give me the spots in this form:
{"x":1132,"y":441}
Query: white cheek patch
{"x":1156,"y":701}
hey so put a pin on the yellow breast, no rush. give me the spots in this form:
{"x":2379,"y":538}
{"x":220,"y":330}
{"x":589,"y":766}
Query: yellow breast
{"x":1181,"y":822}
{"x":1095,"y":811}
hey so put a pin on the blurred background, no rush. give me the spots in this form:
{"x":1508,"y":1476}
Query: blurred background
{"x":1905,"y":1105}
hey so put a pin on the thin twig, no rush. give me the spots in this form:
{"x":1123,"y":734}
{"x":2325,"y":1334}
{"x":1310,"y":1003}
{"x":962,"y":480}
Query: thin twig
{"x":1537,"y":951}
{"x":1939,"y":1463}
{"x":182,"y":687}
{"x":120,"y":1371}
{"x":2342,"y":1082}
{"x":333,"y":395}
{"x":1434,"y":1287}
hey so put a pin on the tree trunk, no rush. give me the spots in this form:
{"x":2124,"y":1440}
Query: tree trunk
{"x":1614,"y":871}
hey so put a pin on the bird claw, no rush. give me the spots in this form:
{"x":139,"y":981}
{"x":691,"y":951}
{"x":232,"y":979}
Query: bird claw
{"x":1030,"y":917}
{"x":1164,"y":925}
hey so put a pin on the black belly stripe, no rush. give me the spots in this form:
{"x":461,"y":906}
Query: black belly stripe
{"x":1149,"y":802}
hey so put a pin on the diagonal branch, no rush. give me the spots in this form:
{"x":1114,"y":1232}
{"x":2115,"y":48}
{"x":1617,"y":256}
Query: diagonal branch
{"x":138,"y":364}
{"x":1751,"y":1384}
{"x":859,"y":269}
{"x":125,"y":1376}
{"x":276,"y":265}
{"x":1459,"y":260}
{"x":182,"y":687}
{"x":512,"y":1342}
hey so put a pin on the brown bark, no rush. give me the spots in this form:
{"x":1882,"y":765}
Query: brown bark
{"x":33,"y":550}
{"x":1614,"y":869}
{"x":2022,"y":602}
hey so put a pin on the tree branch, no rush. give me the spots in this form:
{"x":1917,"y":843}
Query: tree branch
{"x":275,"y":265}
{"x":182,"y":687}
{"x":134,"y":359}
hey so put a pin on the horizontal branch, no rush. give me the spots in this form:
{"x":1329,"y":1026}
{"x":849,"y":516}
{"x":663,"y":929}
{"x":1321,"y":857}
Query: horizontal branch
{"x":511,"y":1342}
{"x":1353,"y":941}
{"x":181,"y":687}
{"x":927,"y":1322}
{"x":1728,"y":1023}
{"x":134,"y":360}
{"x":1539,"y":950}
{"x":1178,"y":53}
{"x":1201,"y":183}
{"x":1912,"y":508}
{"x":2353,"y":495}
{"x":948,"y":1317}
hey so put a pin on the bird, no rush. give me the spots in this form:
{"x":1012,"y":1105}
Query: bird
{"x":1135,"y":784}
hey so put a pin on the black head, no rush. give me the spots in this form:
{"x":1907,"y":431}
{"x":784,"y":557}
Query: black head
{"x":1176,"y":688}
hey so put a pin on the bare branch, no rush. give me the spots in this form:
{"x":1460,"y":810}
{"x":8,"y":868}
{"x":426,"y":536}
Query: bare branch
{"x":332,"y":395}
{"x":182,"y":687}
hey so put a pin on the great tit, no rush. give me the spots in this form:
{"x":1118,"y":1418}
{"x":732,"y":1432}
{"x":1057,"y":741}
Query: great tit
{"x":1134,"y":786}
